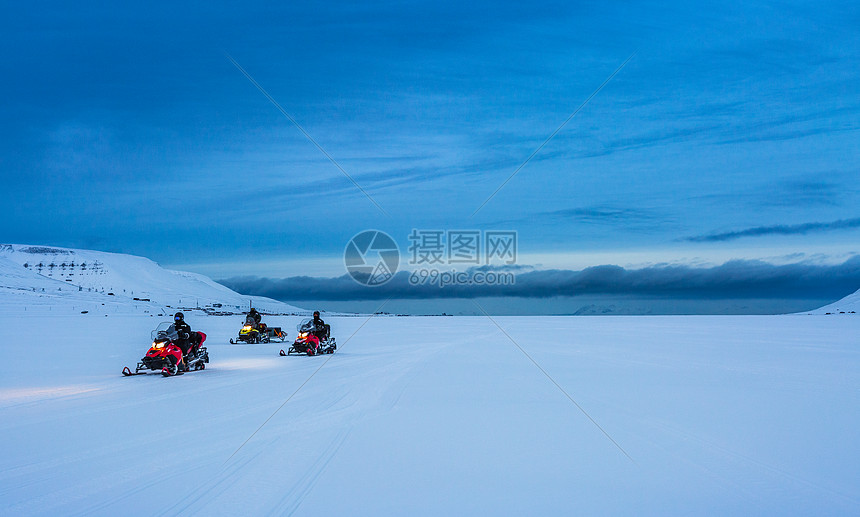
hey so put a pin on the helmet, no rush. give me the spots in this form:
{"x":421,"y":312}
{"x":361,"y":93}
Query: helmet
{"x":179,"y":317}
{"x":316,"y":313}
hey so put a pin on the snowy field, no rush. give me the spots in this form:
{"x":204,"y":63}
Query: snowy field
{"x":720,"y":415}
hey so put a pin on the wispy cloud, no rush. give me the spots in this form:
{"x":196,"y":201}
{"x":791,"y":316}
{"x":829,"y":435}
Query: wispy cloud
{"x":780,"y":229}
{"x":604,"y":215}
{"x":807,"y":192}
{"x":640,"y":219}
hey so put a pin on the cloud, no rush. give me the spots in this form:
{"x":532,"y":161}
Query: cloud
{"x":808,"y":192}
{"x":734,"y":279}
{"x":638,"y":219}
{"x":781,"y":229}
{"x":605,"y":215}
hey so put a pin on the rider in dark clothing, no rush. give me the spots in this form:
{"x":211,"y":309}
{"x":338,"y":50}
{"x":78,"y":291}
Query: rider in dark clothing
{"x":322,"y":330}
{"x":183,"y":330}
{"x":254,"y":319}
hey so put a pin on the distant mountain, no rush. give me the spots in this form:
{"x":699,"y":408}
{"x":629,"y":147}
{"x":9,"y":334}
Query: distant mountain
{"x":847,"y":305}
{"x":43,"y":277}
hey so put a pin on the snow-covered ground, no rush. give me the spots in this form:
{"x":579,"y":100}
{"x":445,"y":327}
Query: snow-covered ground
{"x":719,"y":415}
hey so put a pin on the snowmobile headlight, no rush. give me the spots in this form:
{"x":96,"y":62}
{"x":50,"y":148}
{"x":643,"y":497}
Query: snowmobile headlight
{"x":158,"y":344}
{"x":303,"y":335}
{"x":246,"y":327}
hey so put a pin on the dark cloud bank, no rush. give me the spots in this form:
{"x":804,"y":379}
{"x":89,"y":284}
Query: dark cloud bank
{"x":738,"y":279}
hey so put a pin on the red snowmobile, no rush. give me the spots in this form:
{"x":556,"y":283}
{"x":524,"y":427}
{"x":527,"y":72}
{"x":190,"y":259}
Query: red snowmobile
{"x":166,"y":355}
{"x":311,"y":340}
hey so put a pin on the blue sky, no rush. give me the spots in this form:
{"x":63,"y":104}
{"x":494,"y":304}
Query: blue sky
{"x":731,"y":134}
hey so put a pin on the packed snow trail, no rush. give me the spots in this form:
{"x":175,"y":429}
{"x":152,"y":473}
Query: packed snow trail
{"x":438,"y":415}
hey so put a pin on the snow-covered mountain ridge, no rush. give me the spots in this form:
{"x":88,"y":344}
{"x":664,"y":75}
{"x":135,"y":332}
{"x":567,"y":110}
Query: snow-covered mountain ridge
{"x":55,"y":278}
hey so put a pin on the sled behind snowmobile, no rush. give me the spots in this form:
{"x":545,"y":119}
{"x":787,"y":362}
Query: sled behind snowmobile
{"x":262,"y":334}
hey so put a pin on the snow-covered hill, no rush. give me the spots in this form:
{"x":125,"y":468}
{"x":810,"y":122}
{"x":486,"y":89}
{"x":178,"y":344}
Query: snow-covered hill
{"x":62,"y":279}
{"x":848,"y":305}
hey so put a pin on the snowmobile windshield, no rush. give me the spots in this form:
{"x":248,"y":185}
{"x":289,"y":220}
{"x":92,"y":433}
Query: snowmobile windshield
{"x":165,"y":330}
{"x":307,"y":325}
{"x":249,"y":320}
